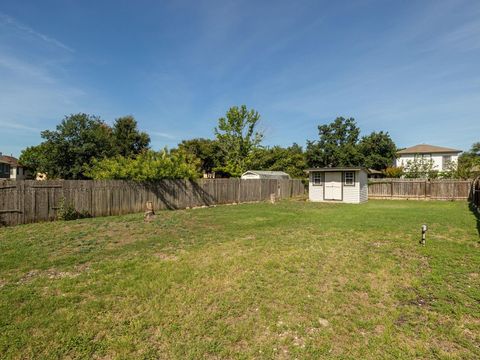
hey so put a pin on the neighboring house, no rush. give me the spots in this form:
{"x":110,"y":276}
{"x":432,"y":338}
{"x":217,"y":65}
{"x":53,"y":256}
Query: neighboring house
{"x":10,"y":168}
{"x":342,"y":184}
{"x":441,"y":156}
{"x":259,"y":174}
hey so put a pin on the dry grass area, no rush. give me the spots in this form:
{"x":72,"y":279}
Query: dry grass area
{"x":257,"y":281}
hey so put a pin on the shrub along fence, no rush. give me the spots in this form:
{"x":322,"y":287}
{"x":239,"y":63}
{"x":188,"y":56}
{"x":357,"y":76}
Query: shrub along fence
{"x":27,"y":201}
{"x":419,"y":189}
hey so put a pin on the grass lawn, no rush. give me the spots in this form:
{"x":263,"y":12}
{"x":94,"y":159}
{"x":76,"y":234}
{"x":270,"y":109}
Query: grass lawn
{"x":291,"y":280}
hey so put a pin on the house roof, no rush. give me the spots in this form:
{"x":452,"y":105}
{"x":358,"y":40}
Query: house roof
{"x":268,"y":174}
{"x":427,"y":149}
{"x":10,"y":160}
{"x":345,"y":168}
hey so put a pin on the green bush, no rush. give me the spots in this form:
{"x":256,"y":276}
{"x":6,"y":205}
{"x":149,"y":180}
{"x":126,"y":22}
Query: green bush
{"x":67,"y":211}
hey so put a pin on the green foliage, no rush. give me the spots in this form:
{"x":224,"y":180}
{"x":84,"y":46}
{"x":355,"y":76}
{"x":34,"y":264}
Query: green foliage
{"x":77,"y":140}
{"x":147,"y":166}
{"x":67,"y":211}
{"x":393,"y":172}
{"x":35,"y":159}
{"x":420,"y":167}
{"x":378,"y":150}
{"x":238,"y":138}
{"x":469,"y":162}
{"x":127,"y":139}
{"x":209,"y":153}
{"x":291,"y":160}
{"x":337,"y":145}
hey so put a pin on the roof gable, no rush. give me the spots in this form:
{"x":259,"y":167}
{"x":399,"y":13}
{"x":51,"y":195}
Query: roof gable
{"x":427,"y":149}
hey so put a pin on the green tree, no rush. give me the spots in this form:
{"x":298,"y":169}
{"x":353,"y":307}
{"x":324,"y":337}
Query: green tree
{"x":393,"y":172}
{"x":337,"y":145}
{"x":378,"y":150}
{"x":420,"y":167}
{"x":290,"y":160}
{"x":237,"y":136}
{"x":35,"y":159}
{"x":208,"y":151}
{"x":127,"y":139}
{"x":77,"y":140}
{"x":147,"y":166}
{"x":468,"y":161}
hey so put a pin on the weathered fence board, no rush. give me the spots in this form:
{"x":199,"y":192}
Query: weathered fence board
{"x":419,"y":189}
{"x":26,"y":201}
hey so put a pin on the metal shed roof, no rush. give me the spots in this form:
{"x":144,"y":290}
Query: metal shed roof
{"x":345,"y":168}
{"x":268,"y":174}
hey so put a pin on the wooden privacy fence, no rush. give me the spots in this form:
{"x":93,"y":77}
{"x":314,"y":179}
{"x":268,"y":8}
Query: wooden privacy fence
{"x":26,"y":201}
{"x":419,"y":189}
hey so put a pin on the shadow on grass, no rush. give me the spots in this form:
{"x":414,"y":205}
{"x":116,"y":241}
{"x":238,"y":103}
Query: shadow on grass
{"x":476,"y":212}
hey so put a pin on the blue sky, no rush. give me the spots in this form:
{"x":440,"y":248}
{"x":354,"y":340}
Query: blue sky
{"x":411,"y":68}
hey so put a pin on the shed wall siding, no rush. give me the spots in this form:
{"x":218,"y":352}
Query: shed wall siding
{"x":351,"y":194}
{"x":315,"y":191}
{"x":363,"y":186}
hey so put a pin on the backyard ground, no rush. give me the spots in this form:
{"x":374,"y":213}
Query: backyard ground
{"x":290,"y":280}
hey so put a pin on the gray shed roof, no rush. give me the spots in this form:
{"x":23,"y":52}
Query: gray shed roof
{"x":268,"y":174}
{"x":344,"y":168}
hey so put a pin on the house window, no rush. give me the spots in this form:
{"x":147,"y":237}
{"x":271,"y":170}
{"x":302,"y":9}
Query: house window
{"x":5,"y":169}
{"x":446,"y":160}
{"x":317,"y":178}
{"x":349,"y":178}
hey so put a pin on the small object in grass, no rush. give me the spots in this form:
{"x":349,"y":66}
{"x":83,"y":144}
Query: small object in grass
{"x":149,"y":213}
{"x":323,"y":322}
{"x":272,"y":198}
{"x":424,"y":234}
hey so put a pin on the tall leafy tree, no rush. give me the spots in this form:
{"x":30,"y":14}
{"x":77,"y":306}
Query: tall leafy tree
{"x":290,"y":160}
{"x":208,"y":151}
{"x":238,"y":136}
{"x":77,"y":140}
{"x":127,"y":139}
{"x":336,"y":146}
{"x":378,"y":150}
{"x":468,"y":161}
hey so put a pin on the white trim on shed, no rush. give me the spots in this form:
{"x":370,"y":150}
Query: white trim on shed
{"x":341,"y":184}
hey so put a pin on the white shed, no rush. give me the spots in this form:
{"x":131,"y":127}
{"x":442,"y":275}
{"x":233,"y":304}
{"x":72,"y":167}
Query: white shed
{"x":341,"y":184}
{"x":260,"y":174}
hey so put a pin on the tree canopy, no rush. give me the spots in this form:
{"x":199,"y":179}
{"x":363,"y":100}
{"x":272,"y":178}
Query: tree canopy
{"x":127,"y":139}
{"x":78,"y":140}
{"x":209,"y":153}
{"x":339,"y":144}
{"x":290,"y":160}
{"x":336,"y":146}
{"x":378,"y":150}
{"x":238,"y":136}
{"x":147,"y":166}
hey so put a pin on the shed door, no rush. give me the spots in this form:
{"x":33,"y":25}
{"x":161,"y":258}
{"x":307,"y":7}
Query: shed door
{"x":333,"y":185}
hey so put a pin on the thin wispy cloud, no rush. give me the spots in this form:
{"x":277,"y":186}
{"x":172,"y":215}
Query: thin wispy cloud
{"x":8,"y":20}
{"x":18,"y":126}
{"x":162,"y":135}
